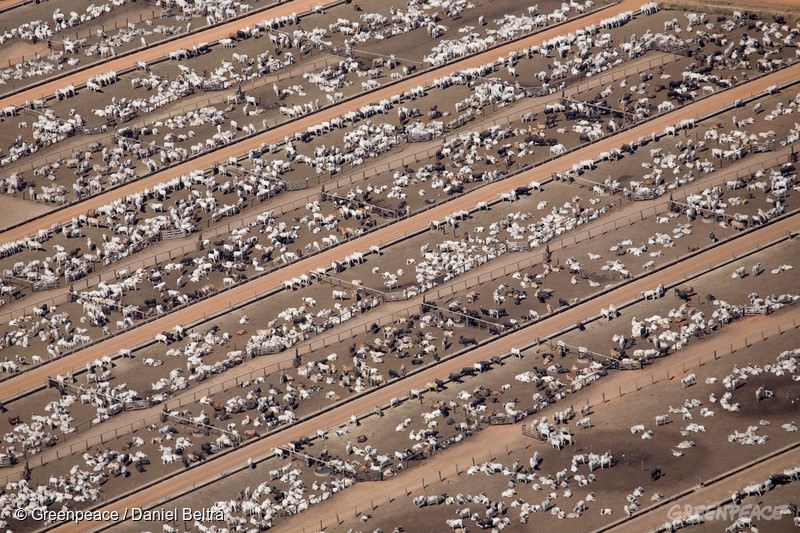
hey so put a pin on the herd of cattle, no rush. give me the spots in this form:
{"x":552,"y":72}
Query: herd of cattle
{"x":477,"y":126}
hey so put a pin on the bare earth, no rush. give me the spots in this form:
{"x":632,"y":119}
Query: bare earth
{"x":37,"y":377}
{"x":157,"y":52}
{"x":301,"y":124}
{"x":237,"y":458}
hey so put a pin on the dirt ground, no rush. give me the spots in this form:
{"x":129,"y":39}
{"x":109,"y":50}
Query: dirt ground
{"x":85,"y":100}
{"x":630,"y":164}
{"x":220,"y":462}
{"x":152,"y":53}
{"x":611,"y":421}
{"x":461,"y":435}
{"x":711,"y":455}
{"x":544,"y":35}
{"x":565,"y":286}
{"x":787,"y":7}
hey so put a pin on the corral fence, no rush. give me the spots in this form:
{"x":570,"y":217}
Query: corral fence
{"x":394,"y":316}
{"x":18,"y":284}
{"x":339,"y":282}
{"x":500,"y":419}
{"x":397,"y":296}
{"x":459,"y":317}
{"x":64,"y":385}
{"x":711,"y":214}
{"x":202,"y":427}
{"x":651,"y":194}
{"x":171,"y":234}
{"x":582,"y":352}
{"x":342,"y":200}
{"x":62,"y":297}
{"x":434,"y":293}
{"x":57,"y":41}
{"x":369,"y":475}
{"x":169,"y":404}
{"x":700,"y":362}
{"x":578,"y":235}
{"x":670,"y":47}
{"x":303,"y":69}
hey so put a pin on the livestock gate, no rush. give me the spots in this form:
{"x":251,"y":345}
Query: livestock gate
{"x":458,"y":317}
{"x":460,"y":120}
{"x":296,"y":185}
{"x":169,"y":234}
{"x":335,"y":50}
{"x":584,"y":380}
{"x":500,"y":419}
{"x":127,"y":405}
{"x":19,"y":284}
{"x":563,"y":348}
{"x":767,"y":146}
{"x":670,"y":46}
{"x":264,"y":350}
{"x":536,"y":92}
{"x":136,"y":405}
{"x":338,"y":200}
{"x":396,"y":296}
{"x":529,"y":430}
{"x":348,"y":284}
{"x":627,"y":363}
{"x":517,"y":246}
{"x":310,"y":460}
{"x":365,"y":474}
{"x":704,"y":212}
{"x":205,"y":428}
{"x":638,"y":196}
{"x":749,"y":310}
{"x":418,"y":136}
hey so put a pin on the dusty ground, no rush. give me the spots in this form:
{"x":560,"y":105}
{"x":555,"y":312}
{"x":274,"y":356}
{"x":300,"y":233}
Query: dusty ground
{"x":230,"y":458}
{"x":154,"y":53}
{"x":606,"y":420}
{"x":260,"y":89}
{"x":783,"y":7}
{"x":636,"y":457}
{"x":35,"y":380}
{"x":609,"y":426}
{"x":565,"y":286}
{"x":630,"y":163}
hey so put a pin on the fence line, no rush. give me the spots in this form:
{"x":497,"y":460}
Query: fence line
{"x":250,"y":85}
{"x":382,"y":320}
{"x":136,"y":50}
{"x":269,"y":455}
{"x":738,"y":102}
{"x":420,"y":72}
{"x":609,"y":225}
{"x":605,"y":227}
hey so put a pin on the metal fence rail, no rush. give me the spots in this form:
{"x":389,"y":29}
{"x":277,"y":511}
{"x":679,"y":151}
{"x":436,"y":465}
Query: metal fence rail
{"x":416,"y":73}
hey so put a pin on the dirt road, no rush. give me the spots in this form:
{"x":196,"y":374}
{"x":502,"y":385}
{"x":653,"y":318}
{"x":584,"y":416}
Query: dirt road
{"x":278,"y":134}
{"x":491,"y":441}
{"x":10,"y":210}
{"x":210,"y":34}
{"x":711,"y":494}
{"x":10,"y":4}
{"x":37,"y":377}
{"x":123,"y":422}
{"x":186,"y":480}
{"x":780,"y":6}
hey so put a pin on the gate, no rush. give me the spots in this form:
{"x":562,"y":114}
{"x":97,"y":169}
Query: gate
{"x":167,"y":234}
